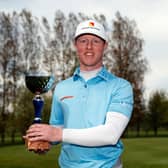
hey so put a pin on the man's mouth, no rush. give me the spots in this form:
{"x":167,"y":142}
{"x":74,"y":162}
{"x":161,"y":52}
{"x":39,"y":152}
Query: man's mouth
{"x":89,"y":54}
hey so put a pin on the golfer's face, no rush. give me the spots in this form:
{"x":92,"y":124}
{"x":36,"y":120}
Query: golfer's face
{"x":90,"y":51}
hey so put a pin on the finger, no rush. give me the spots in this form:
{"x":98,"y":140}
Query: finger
{"x":35,"y":126}
{"x":36,"y":138}
{"x":34,"y":134}
{"x":33,"y":129}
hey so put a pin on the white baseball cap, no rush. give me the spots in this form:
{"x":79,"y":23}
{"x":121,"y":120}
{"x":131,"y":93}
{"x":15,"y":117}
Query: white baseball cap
{"x":91,"y":27}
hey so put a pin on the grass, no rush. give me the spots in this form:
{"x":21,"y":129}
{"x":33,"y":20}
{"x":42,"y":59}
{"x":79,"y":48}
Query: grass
{"x":18,"y":157}
{"x":138,"y":153}
{"x":145,"y":153}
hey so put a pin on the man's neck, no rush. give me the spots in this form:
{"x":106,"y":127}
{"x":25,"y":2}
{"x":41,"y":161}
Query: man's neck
{"x":90,"y":73}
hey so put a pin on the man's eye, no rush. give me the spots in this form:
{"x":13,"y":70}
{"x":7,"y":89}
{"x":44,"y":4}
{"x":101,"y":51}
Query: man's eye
{"x":83,"y":41}
{"x":95,"y":41}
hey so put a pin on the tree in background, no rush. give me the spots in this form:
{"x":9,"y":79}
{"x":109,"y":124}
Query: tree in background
{"x":32,"y":45}
{"x":15,"y":67}
{"x":7,"y":50}
{"x":59,"y":53}
{"x":49,"y":51}
{"x":25,"y":111}
{"x":63,"y":33}
{"x":158,"y":110}
{"x":128,"y":61}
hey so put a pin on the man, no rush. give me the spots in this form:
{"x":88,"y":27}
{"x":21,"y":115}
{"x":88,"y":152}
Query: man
{"x":90,"y":110}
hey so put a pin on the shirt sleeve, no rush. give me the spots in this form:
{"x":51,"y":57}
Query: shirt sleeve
{"x":122,"y":98}
{"x":107,"y":134}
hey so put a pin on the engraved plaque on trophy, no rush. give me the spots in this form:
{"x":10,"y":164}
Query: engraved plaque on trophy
{"x":38,"y":83}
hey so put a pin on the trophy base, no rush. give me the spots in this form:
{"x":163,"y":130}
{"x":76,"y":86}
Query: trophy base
{"x":37,"y":146}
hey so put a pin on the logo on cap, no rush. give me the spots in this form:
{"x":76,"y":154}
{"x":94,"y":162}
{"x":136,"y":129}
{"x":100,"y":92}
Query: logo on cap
{"x":91,"y":24}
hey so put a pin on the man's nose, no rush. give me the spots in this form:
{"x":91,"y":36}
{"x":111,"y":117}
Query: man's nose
{"x":89,"y":44}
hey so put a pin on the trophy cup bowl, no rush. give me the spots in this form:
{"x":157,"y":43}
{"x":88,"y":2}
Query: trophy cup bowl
{"x":38,"y":83}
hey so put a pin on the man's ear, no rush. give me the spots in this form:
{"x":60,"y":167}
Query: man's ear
{"x":105,"y":45}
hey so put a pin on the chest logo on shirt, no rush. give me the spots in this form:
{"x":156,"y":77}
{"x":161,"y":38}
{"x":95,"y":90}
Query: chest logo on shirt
{"x":66,"y":97}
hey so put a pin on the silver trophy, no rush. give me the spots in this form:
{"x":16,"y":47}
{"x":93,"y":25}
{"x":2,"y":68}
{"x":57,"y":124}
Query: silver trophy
{"x":38,"y":83}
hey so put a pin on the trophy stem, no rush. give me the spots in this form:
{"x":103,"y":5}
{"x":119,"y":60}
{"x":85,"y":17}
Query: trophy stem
{"x":38,"y":146}
{"x":38,"y":103}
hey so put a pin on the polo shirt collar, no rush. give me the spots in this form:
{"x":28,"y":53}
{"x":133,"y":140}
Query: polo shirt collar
{"x":104,"y":74}
{"x":76,"y":74}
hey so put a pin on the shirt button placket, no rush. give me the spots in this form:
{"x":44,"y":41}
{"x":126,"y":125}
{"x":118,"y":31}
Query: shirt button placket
{"x":85,"y":92}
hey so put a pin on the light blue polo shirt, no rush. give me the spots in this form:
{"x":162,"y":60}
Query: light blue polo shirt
{"x":80,"y":104}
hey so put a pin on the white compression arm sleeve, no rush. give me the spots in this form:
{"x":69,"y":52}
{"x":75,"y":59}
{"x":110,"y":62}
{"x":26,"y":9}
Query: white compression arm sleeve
{"x":107,"y":134}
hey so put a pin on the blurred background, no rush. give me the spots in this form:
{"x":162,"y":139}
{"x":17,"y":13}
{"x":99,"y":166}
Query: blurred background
{"x":39,"y":35}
